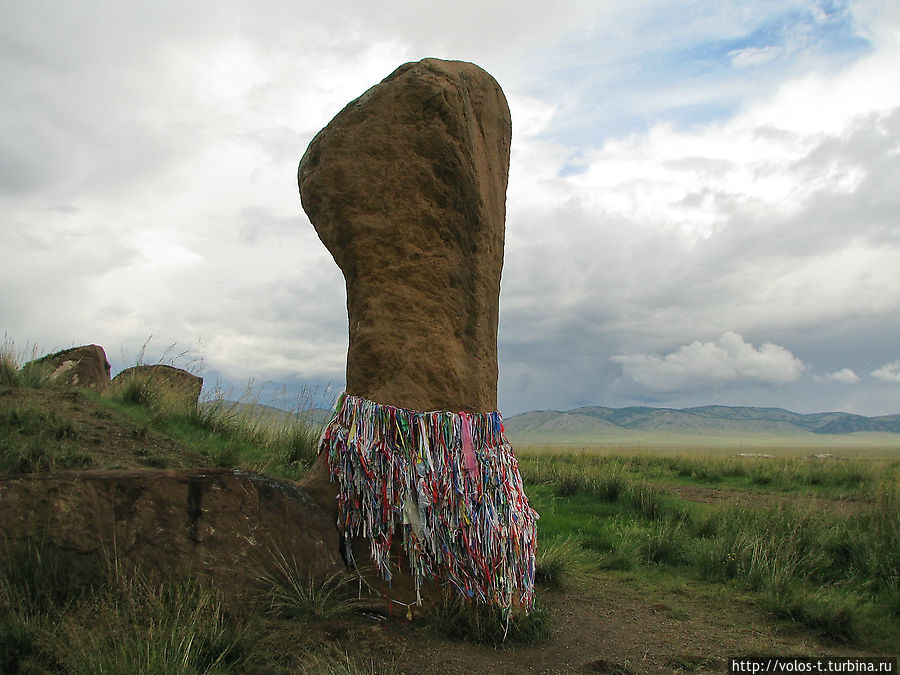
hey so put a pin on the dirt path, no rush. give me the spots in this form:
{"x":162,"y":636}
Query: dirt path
{"x":610,"y":626}
{"x":712,"y":495}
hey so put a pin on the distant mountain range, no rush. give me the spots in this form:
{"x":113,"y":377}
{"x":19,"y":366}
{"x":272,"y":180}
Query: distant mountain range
{"x":597,"y":423}
{"x":627,"y":425}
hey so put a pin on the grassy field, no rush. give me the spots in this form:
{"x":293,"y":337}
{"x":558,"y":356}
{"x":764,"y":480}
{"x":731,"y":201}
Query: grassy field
{"x":860,"y":444}
{"x":651,"y":559}
{"x":812,"y":541}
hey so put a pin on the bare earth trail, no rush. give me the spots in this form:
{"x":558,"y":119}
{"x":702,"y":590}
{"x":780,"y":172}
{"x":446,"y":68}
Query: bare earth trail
{"x":759,"y":498}
{"x":608,"y":624}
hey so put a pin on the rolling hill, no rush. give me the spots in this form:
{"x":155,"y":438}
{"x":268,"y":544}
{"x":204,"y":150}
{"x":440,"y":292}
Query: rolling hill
{"x":602,"y":424}
{"x":639,"y":424}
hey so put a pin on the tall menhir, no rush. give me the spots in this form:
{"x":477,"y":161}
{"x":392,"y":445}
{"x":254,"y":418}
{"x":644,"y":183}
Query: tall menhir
{"x":406,"y":187}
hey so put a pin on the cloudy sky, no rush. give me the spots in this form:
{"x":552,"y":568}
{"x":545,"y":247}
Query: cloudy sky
{"x":704,"y":198}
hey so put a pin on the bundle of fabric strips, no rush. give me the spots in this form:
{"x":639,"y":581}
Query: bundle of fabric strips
{"x":449,"y":482}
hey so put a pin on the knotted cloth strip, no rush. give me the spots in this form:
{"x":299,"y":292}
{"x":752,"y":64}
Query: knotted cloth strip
{"x":450,"y":482}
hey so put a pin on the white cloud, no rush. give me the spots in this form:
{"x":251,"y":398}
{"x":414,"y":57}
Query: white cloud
{"x":844,"y":376}
{"x":779,"y":218}
{"x":147,"y":183}
{"x":772,"y":161}
{"x":753,"y":56}
{"x":889,"y":372}
{"x":530,"y":115}
{"x":703,"y":364}
{"x":159,"y":250}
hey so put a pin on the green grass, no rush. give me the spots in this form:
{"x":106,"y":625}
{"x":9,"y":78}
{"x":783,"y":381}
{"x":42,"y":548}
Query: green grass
{"x":835,"y":573}
{"x":120,"y":623}
{"x":177,"y":627}
{"x":221,"y":434}
{"x":34,"y":439}
{"x":559,"y":562}
{"x":605,"y":474}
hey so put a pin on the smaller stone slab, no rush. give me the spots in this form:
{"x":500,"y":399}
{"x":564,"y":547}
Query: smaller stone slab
{"x":84,"y":366}
{"x":222,"y":524}
{"x":178,"y":384}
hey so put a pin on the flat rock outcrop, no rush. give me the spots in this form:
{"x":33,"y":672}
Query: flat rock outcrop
{"x":84,"y":366}
{"x":406,"y":187}
{"x":162,"y":380}
{"x":220,"y":524}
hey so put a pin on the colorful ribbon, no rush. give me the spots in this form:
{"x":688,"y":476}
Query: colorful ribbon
{"x":450,"y":482}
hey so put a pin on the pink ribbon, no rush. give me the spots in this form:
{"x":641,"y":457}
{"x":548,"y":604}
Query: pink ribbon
{"x":468,"y":448}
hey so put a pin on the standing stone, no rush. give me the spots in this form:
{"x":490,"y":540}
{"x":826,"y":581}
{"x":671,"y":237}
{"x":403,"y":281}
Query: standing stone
{"x":406,"y":187}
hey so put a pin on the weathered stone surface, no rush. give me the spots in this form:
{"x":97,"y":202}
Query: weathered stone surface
{"x":180,"y":385}
{"x":406,"y":187}
{"x":79,"y":367}
{"x":221,"y":524}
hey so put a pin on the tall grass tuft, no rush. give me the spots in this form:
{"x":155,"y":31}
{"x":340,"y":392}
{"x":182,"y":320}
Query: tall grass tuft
{"x":484,"y":624}
{"x":52,"y":620}
{"x":9,"y":366}
{"x":34,"y":583}
{"x":835,"y":617}
{"x":231,"y":433}
{"x":285,"y":448}
{"x":289,"y":593}
{"x":343,"y":664}
{"x":655,"y":503}
{"x":18,"y":369}
{"x":666,"y":543}
{"x":137,"y":627}
{"x":35,"y":578}
{"x":560,"y":562}
{"x":611,"y":484}
{"x":136,"y":390}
